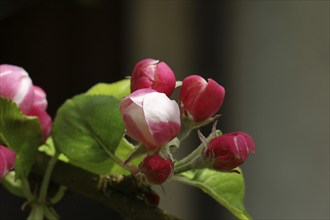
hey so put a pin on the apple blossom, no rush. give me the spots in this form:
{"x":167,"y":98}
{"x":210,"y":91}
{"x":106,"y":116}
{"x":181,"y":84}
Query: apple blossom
{"x":39,"y":102}
{"x":45,"y":121}
{"x":156,"y":169}
{"x":150,"y":73}
{"x":150,"y":117}
{"x":7,"y":160}
{"x":200,"y":99}
{"x":15,"y":84}
{"x":38,"y":110}
{"x":230,"y":150}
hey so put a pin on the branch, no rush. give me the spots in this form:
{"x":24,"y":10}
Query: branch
{"x":120,"y":193}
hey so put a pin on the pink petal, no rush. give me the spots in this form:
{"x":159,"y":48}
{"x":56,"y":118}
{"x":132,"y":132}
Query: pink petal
{"x":7,"y":160}
{"x":40,"y":101}
{"x":17,"y":86}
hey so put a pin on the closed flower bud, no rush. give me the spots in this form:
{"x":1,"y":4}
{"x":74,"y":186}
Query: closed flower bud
{"x":150,"y":73}
{"x":7,"y":161}
{"x":200,"y":99}
{"x":156,"y":169}
{"x":39,"y":102}
{"x":45,"y":122}
{"x":15,"y":84}
{"x":38,"y":109}
{"x":150,"y":117}
{"x":230,"y":150}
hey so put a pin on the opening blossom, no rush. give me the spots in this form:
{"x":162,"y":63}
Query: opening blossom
{"x":150,"y":73}
{"x":228,"y":151}
{"x":150,"y":117}
{"x":200,"y":99}
{"x":7,"y":161}
{"x":15,"y":84}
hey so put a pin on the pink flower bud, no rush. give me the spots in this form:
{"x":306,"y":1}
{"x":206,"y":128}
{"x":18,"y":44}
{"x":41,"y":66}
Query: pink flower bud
{"x":38,"y":109}
{"x":45,"y":121}
{"x":229,"y":150}
{"x":200,"y":99}
{"x":156,"y":169}
{"x":150,"y":117}
{"x":7,"y":161}
{"x":40,"y":101}
{"x":150,"y":73}
{"x":15,"y":84}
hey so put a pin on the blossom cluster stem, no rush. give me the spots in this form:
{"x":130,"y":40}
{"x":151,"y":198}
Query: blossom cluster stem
{"x":59,"y":195}
{"x":27,"y":190}
{"x":46,"y":179}
{"x":189,"y":161}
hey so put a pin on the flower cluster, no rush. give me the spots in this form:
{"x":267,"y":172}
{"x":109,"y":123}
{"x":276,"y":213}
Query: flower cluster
{"x":15,"y":84}
{"x":155,"y":120}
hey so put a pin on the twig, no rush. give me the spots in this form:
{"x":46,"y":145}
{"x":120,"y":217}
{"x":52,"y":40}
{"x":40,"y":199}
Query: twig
{"x":120,"y":193}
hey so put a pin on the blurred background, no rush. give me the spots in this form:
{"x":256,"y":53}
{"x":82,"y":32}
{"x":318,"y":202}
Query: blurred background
{"x":271,"y":56}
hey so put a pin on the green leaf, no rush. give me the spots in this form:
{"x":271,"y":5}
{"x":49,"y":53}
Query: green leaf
{"x":88,"y":130}
{"x":118,"y":89}
{"x":124,"y":149}
{"x":226,"y":188}
{"x":20,"y":133}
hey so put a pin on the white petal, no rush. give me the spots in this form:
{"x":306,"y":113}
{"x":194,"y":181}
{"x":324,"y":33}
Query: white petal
{"x":158,"y":107}
{"x":23,"y":89}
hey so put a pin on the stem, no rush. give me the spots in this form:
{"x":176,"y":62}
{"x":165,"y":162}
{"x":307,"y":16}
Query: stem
{"x":187,"y":125}
{"x":195,"y":159}
{"x":186,"y":128}
{"x":49,"y":213}
{"x":27,"y":190}
{"x":37,"y":212}
{"x":196,"y":153}
{"x":45,"y":181}
{"x":183,"y":168}
{"x":59,"y":195}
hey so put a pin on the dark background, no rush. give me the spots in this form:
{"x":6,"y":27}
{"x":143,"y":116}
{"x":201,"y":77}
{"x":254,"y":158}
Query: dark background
{"x":68,"y":46}
{"x":271,"y":56}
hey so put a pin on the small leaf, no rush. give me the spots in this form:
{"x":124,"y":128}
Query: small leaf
{"x":88,"y":130}
{"x":20,"y":133}
{"x":118,"y":89}
{"x":49,"y":149}
{"x":13,"y":185}
{"x":226,"y":188}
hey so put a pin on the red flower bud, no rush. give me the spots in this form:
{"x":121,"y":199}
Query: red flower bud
{"x":7,"y":160}
{"x":199,"y":98}
{"x":150,"y":73}
{"x":156,"y":169}
{"x":229,"y":150}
